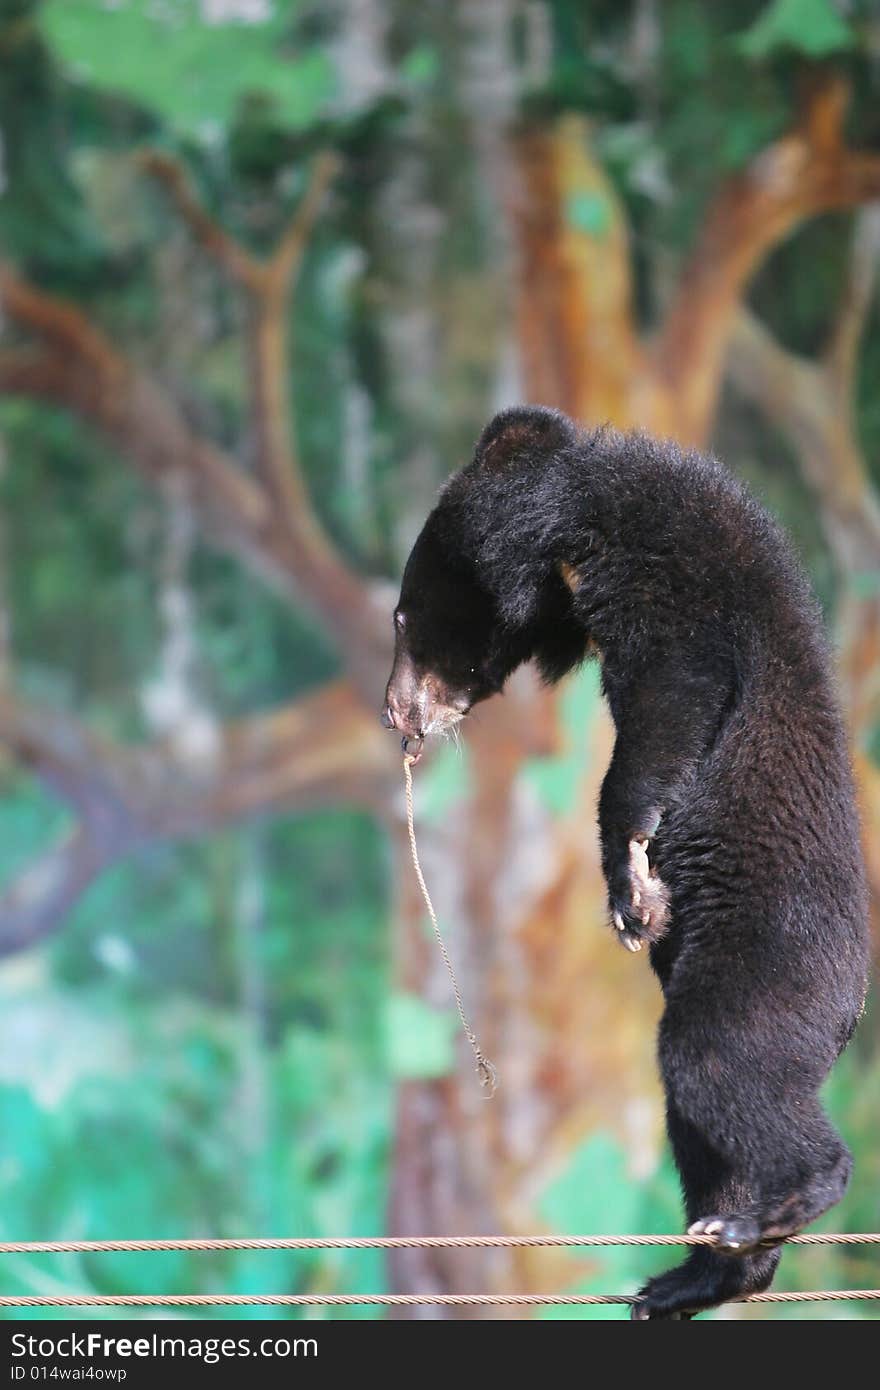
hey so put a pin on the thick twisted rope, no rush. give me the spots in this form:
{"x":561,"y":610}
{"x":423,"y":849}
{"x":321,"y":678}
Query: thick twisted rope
{"x":485,"y":1070}
{"x":92,"y":1247}
{"x":390,"y":1300}
{"x":33,"y":1247}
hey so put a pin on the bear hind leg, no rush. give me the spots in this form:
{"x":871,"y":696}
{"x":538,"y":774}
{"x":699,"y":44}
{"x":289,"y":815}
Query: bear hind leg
{"x":823,"y":1189}
{"x":707,"y":1277}
{"x":821,"y":1182}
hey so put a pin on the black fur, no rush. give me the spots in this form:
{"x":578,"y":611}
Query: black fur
{"x":730,"y":774}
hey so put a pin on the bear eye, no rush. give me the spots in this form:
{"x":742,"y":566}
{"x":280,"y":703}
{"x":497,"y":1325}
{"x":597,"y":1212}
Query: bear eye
{"x":399,"y":620}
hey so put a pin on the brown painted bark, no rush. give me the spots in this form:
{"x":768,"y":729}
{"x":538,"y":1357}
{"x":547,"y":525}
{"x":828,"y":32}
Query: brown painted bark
{"x":578,"y":337}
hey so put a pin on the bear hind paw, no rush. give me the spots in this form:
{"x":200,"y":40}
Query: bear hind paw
{"x":731,"y":1235}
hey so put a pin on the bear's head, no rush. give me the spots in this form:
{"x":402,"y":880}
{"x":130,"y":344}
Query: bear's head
{"x":478,"y":597}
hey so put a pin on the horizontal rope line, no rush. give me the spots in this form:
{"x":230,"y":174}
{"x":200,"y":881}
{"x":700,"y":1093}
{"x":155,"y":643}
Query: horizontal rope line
{"x":61,"y":1247}
{"x":400,"y":1300}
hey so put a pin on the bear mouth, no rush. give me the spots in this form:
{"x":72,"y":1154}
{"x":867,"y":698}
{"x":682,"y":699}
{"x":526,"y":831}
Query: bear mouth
{"x":428,"y":719}
{"x":412,"y":747}
{"x":443,"y":723}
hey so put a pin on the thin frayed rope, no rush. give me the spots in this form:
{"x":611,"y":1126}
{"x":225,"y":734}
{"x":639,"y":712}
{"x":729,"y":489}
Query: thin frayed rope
{"x":398,"y":1300}
{"x":485,"y":1070}
{"x":208,"y":1243}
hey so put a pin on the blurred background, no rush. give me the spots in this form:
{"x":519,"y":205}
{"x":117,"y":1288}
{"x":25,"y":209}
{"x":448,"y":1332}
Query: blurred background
{"x":267,"y":267}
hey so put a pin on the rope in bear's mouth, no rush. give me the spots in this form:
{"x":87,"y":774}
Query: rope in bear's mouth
{"x":485,"y":1070}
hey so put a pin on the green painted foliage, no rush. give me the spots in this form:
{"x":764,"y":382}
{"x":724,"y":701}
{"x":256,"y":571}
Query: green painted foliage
{"x":590,"y":213}
{"x":419,"y":1038}
{"x":190,"y":72}
{"x":557,"y":779}
{"x":814,"y":28}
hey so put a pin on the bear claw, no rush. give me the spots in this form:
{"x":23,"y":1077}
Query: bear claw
{"x":628,"y":938}
{"x":639,"y":900}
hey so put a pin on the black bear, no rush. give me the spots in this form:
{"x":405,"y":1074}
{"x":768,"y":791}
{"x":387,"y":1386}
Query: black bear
{"x":730,"y":838}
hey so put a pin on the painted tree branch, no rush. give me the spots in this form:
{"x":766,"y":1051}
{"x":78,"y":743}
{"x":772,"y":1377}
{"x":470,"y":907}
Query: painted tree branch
{"x":855,"y":303}
{"x":325,"y":749}
{"x":271,"y":354}
{"x":39,"y":898}
{"x":342,"y":599}
{"x":83,"y":771}
{"x":810,"y":170}
{"x":252,"y":272}
{"x":812,"y":403}
{"x":577,"y":328}
{"x":321,"y":750}
{"x":808,"y":403}
{"x":268,"y":282}
{"x":244,"y":268}
{"x":74,"y":763}
{"x":285,"y":260}
{"x":76,"y":366}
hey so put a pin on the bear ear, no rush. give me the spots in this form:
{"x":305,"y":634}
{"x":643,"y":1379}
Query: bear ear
{"x":523,"y":430}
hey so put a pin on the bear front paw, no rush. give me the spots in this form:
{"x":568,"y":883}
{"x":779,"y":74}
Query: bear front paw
{"x":639,"y":900}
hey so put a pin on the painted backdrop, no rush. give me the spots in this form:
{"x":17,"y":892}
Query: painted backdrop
{"x":265,"y":269}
